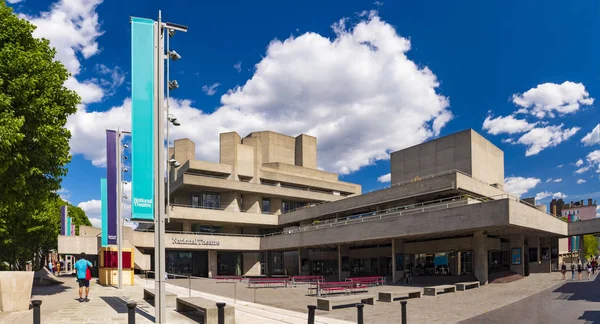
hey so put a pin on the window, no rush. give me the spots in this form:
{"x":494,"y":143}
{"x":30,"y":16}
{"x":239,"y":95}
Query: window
{"x":198,"y":228}
{"x":266,"y":206}
{"x":211,"y":200}
{"x":291,"y":205}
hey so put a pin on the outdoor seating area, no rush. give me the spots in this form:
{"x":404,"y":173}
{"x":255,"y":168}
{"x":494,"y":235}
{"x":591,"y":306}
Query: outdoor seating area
{"x":169,"y":296}
{"x":462,"y":286}
{"x":328,"y":304}
{"x":367,"y":281}
{"x":335,"y":287}
{"x":389,"y":296}
{"x":268,"y":282}
{"x":306,"y":279}
{"x":435,"y":290}
{"x":208,"y":307}
{"x":228,"y":278}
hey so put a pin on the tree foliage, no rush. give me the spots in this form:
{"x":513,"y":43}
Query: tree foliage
{"x":590,"y":246}
{"x":34,"y":144}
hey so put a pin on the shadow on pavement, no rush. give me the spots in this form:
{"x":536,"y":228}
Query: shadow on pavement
{"x":49,"y":290}
{"x":590,"y":317}
{"x":585,"y":290}
{"x":120,"y":306}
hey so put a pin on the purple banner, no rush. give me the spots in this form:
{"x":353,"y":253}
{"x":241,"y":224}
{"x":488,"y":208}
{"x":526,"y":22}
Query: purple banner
{"x":63,"y":220}
{"x":111,"y":185}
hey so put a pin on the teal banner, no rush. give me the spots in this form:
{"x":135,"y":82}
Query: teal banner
{"x":69,"y":226}
{"x":104,"y":207}
{"x":143,"y":86}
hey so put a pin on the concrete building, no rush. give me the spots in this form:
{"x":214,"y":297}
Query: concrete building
{"x":574,"y":212}
{"x":265,"y":209}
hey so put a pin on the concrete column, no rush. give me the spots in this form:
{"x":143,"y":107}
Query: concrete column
{"x":230,"y":201}
{"x":251,"y":203}
{"x":397,"y":248}
{"x":300,"y":261}
{"x":276,"y":206}
{"x":517,"y":241}
{"x":251,"y":263}
{"x":187,"y":227}
{"x":212,"y":263}
{"x":393,"y":262}
{"x":480,"y":257}
{"x":339,"y":261}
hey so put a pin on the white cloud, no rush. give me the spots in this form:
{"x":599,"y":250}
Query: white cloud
{"x":548,"y":180}
{"x":580,"y":181}
{"x":547,"y":98}
{"x":385,"y":178}
{"x":506,"y":125}
{"x":93,"y":208}
{"x":72,"y":27}
{"x":519,"y":185}
{"x":559,"y":166}
{"x":542,"y":195}
{"x":212,"y":89}
{"x":89,"y":91}
{"x":13,"y":1}
{"x":592,"y":137}
{"x":579,"y":163}
{"x":594,"y":157}
{"x":112,"y":78}
{"x":541,"y":138}
{"x":508,"y":140}
{"x":238,"y":66}
{"x":583,"y":169}
{"x":559,"y":195}
{"x":328,"y":88}
{"x":558,"y":180}
{"x":88,"y":131}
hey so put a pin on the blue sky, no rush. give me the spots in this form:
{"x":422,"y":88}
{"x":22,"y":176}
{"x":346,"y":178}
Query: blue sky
{"x":366,"y":78}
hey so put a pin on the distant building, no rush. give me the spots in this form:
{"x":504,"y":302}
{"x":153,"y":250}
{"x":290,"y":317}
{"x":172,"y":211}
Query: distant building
{"x":578,"y":211}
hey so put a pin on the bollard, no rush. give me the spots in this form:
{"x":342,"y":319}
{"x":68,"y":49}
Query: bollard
{"x":359,"y":313}
{"x":190,"y":285}
{"x":36,"y":311}
{"x":221,"y":313}
{"x":403,"y":303}
{"x":131,"y":312}
{"x":311,"y":314}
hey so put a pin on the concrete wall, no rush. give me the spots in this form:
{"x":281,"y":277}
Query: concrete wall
{"x":530,"y":217}
{"x":228,"y":143}
{"x":466,"y":151}
{"x":518,"y":241}
{"x":222,"y":216}
{"x":233,"y":243}
{"x":89,"y":231}
{"x":251,"y":262}
{"x":591,"y":226}
{"x":451,"y":220}
{"x":78,"y":244}
{"x":540,"y":266}
{"x":184,"y":150}
{"x":306,"y":151}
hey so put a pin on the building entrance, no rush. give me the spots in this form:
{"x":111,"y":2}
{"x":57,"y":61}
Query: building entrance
{"x":187,"y":263}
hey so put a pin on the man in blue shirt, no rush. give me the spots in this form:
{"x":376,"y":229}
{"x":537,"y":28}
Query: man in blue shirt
{"x":81,"y":266}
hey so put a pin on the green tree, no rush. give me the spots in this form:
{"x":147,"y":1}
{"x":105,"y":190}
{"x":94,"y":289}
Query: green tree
{"x":590,"y":246}
{"x":34,"y":144}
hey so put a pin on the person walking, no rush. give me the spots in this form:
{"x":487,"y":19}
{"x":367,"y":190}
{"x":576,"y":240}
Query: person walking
{"x":593,"y":266}
{"x":50,"y":266}
{"x":572,"y":271}
{"x":563,"y":269}
{"x":579,"y":269}
{"x":82,"y":266}
{"x":589,"y":270}
{"x":58,"y":266}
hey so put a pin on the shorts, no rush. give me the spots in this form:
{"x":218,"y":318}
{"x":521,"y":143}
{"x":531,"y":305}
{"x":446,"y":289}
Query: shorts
{"x":83,"y":283}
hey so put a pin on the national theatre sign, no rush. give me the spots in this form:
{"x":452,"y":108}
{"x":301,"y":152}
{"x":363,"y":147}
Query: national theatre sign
{"x":195,"y":241}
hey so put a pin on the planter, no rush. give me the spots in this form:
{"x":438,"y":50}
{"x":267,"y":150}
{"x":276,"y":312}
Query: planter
{"x":15,"y":290}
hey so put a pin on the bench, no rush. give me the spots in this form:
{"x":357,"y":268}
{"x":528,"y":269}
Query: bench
{"x":435,"y":290}
{"x":228,"y":278}
{"x":462,"y":286}
{"x":345,"y":287}
{"x":169,"y":296}
{"x":267,"y":282}
{"x":327,"y":304}
{"x":392,"y":296}
{"x":208,"y":307}
{"x":306,"y":279}
{"x":368,"y":281}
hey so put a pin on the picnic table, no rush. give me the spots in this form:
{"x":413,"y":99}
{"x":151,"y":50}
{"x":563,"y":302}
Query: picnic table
{"x":268,"y":282}
{"x":228,"y":278}
{"x":367,"y":281}
{"x":306,"y":279}
{"x":324,"y":288}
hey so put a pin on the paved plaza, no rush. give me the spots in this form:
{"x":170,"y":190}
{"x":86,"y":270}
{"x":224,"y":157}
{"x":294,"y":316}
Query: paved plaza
{"x":545,"y":297}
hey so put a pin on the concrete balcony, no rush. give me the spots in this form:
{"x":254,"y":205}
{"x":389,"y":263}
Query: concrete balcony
{"x":189,"y":213}
{"x":221,"y":241}
{"x":221,"y":184}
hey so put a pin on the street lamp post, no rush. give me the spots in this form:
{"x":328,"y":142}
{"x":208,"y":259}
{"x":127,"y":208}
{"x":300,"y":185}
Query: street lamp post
{"x":159,"y":165}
